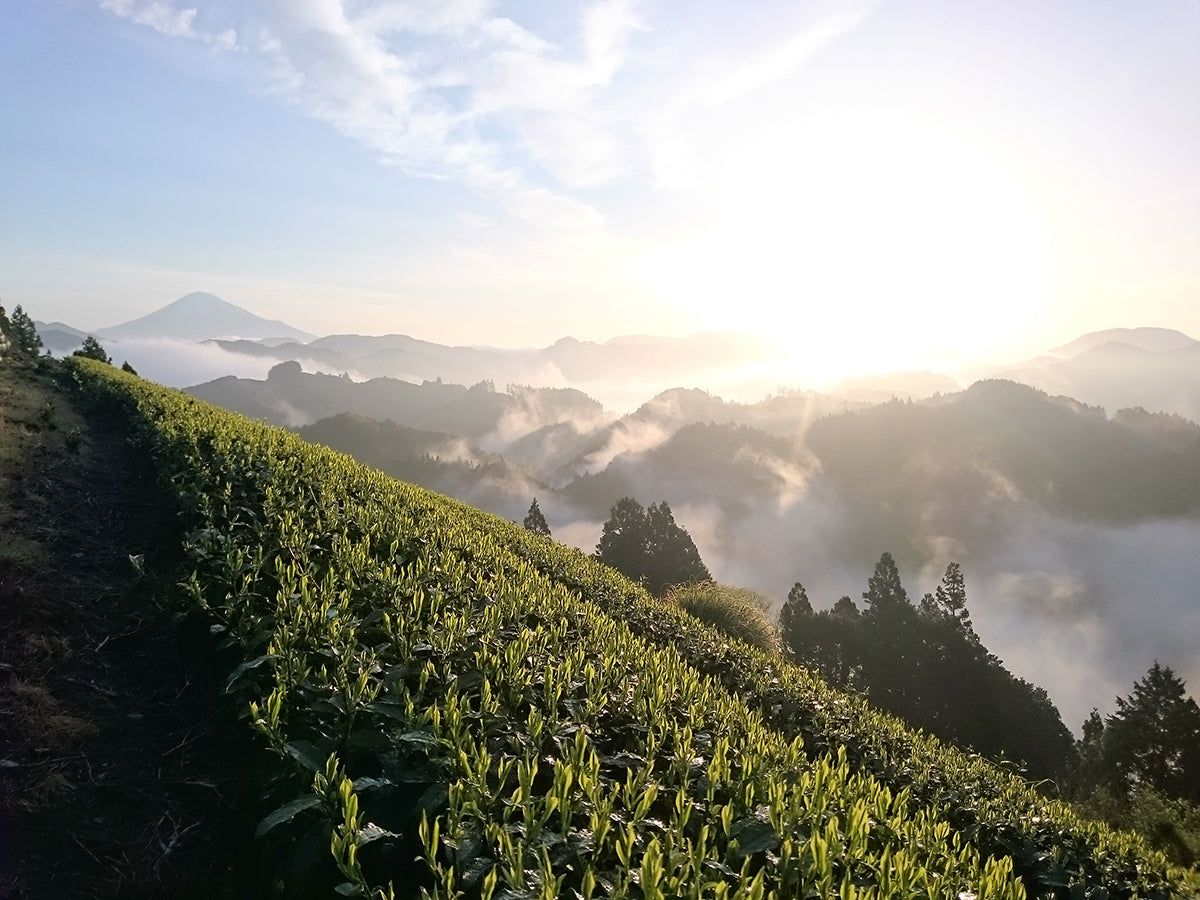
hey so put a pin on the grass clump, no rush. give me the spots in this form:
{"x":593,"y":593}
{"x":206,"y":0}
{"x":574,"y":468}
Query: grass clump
{"x":738,"y":612}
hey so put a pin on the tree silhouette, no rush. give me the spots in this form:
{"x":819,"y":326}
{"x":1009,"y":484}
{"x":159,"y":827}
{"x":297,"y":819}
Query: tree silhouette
{"x":949,"y":603}
{"x":623,"y":542}
{"x":93,"y":350}
{"x":649,"y":546}
{"x":673,"y":557}
{"x":930,"y":669}
{"x":1153,"y":739}
{"x":845,"y":608}
{"x":535,"y":521}
{"x":885,"y":595}
{"x":23,"y":333}
{"x":795,"y":622}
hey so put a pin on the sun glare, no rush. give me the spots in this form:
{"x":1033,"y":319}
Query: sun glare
{"x":868,"y":243}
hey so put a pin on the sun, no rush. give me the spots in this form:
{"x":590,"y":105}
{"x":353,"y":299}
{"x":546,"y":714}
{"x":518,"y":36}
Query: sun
{"x":869,"y":242}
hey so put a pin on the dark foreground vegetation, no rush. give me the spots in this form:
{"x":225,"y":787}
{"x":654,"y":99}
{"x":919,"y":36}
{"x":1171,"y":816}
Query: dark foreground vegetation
{"x":122,"y":772}
{"x":448,"y":703}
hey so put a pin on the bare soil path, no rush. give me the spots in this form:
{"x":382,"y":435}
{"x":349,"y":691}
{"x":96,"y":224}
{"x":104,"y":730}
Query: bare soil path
{"x":123,"y":771}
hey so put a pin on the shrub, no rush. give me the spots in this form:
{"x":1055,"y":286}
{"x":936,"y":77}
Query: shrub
{"x":739,"y":612}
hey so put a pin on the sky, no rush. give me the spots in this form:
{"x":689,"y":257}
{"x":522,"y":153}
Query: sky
{"x":875,"y":185}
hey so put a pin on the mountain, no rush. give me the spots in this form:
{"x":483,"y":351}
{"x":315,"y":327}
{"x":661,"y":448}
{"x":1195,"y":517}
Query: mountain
{"x":292,"y":397}
{"x":200,"y":317}
{"x":663,"y":361}
{"x":59,"y":338}
{"x":1000,"y":442}
{"x":1156,"y":340}
{"x":1153,"y":368}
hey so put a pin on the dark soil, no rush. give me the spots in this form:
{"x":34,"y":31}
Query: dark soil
{"x":124,"y":772}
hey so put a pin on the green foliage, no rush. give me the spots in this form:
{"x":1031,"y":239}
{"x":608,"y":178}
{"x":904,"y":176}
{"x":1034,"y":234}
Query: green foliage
{"x":732,"y":610}
{"x":1140,"y":769}
{"x":126,"y":367}
{"x":435,"y":682}
{"x":885,"y":595}
{"x":1170,"y":826}
{"x":23,"y":334}
{"x":949,"y":603}
{"x":845,"y":608}
{"x":535,"y":521}
{"x":930,"y":669}
{"x":648,"y":546}
{"x":92,"y":349}
{"x":1153,"y":739}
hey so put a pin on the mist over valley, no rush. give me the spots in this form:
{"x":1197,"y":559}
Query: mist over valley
{"x":1074,"y":515}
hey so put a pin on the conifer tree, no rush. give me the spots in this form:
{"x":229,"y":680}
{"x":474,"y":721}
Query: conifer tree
{"x":623,"y":541}
{"x":535,"y":521}
{"x":1153,"y":739}
{"x":674,"y":558}
{"x":885,"y":595}
{"x":649,"y":546}
{"x":948,"y":602}
{"x":845,"y":608}
{"x":92,"y":349}
{"x":23,"y":333}
{"x":795,"y":621}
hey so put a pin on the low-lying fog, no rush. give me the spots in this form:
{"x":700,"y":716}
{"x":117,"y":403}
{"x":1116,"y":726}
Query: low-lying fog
{"x":1078,"y":604}
{"x":1081,"y":609}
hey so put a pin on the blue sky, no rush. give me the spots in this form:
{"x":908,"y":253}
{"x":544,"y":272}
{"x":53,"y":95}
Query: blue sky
{"x":881,"y":184}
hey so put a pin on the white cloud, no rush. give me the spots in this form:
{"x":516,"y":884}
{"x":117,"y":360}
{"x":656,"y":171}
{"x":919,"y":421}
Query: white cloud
{"x":166,"y":19}
{"x":523,"y":113}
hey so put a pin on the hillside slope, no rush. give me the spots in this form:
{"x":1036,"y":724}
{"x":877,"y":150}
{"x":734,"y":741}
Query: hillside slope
{"x":441,"y":684}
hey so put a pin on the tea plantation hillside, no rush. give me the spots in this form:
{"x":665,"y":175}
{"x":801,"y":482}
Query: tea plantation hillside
{"x":450,"y":706}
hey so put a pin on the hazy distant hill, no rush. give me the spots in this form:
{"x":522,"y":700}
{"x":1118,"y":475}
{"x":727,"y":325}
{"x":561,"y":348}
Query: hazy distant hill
{"x":727,"y":467}
{"x":999,"y":442}
{"x":687,"y":360}
{"x":1156,"y":369}
{"x":201,"y":316}
{"x":1154,"y":339}
{"x":59,"y":338}
{"x":289,"y":396}
{"x":906,"y":467}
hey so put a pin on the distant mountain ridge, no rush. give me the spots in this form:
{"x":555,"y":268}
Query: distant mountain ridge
{"x":1157,"y":369}
{"x":59,"y":337}
{"x":569,"y":360}
{"x":1157,"y":340}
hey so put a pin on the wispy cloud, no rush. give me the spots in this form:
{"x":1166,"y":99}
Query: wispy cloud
{"x":526,"y":116}
{"x":167,"y":19}
{"x":790,"y":53}
{"x":452,"y":91}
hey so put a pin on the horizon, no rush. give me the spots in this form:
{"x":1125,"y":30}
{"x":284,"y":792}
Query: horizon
{"x":182,"y":362}
{"x":880,"y":186}
{"x":512,"y":346}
